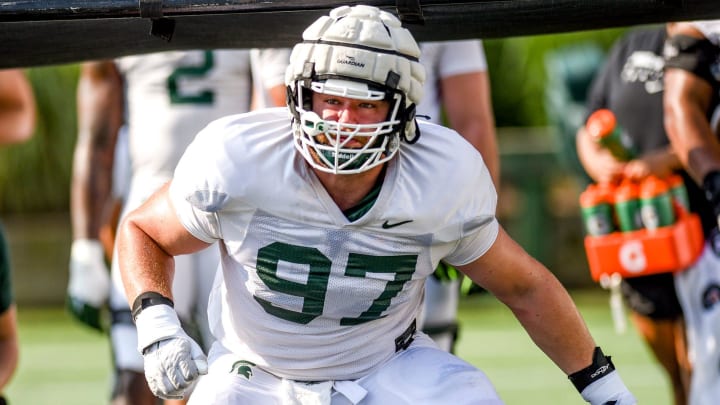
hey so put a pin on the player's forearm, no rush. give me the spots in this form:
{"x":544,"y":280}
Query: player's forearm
{"x":537,"y":299}
{"x":686,"y":101}
{"x":144,"y":265}
{"x":551,"y":319}
{"x":17,"y":107}
{"x":697,"y":149}
{"x":99,"y":119}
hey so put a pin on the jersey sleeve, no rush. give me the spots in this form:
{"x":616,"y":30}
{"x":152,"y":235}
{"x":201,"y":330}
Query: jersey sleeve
{"x":473,"y":207}
{"x":480,"y":234}
{"x":269,"y":65}
{"x":460,"y":57}
{"x":197,"y":190}
{"x":709,"y":28}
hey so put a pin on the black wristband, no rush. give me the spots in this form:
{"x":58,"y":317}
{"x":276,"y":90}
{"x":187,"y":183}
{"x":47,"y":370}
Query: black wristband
{"x":148,"y":299}
{"x":2,"y":400}
{"x":600,"y":367}
{"x":711,"y":186}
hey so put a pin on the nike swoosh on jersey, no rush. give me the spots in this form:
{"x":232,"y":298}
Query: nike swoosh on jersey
{"x":388,"y":225}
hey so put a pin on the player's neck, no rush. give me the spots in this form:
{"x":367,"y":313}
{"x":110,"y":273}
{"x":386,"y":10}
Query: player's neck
{"x":348,"y":190}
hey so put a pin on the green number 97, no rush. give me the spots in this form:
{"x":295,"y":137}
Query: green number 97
{"x":313,"y":291}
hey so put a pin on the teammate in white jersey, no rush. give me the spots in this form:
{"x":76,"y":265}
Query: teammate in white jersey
{"x":456,"y":84}
{"x":169,"y":97}
{"x":692,"y":85}
{"x":328,"y":222}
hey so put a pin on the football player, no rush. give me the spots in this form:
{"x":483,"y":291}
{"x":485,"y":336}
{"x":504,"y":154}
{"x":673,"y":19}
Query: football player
{"x":163,"y":99}
{"x":329,"y":221}
{"x":17,"y":124}
{"x":457,"y":85}
{"x":692,"y":82}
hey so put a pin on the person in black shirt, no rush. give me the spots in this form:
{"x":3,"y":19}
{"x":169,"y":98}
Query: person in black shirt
{"x":630,"y":84}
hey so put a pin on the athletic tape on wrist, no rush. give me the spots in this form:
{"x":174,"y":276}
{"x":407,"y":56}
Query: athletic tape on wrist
{"x":600,"y":367}
{"x":148,"y":299}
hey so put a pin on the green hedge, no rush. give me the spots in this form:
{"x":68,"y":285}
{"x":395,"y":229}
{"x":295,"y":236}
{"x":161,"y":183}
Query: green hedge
{"x":35,"y":176}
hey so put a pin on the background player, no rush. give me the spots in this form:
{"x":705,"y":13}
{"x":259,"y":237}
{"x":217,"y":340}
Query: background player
{"x":692,"y":82}
{"x":169,"y":97}
{"x":631,"y":85}
{"x":456,"y":93}
{"x":17,"y":124}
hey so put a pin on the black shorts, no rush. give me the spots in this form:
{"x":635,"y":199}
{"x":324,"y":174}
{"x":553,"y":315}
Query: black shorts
{"x":652,"y":296}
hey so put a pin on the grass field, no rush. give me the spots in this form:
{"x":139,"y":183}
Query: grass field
{"x":64,"y":363}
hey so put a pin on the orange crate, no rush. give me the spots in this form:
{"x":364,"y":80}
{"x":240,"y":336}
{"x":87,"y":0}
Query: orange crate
{"x":644,"y":252}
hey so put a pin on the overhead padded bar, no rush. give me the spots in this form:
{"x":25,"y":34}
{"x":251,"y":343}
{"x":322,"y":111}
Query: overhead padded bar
{"x":410,"y":11}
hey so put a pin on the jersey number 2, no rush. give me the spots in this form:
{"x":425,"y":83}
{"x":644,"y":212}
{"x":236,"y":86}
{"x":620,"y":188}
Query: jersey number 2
{"x":191,"y":72}
{"x":313,"y":291}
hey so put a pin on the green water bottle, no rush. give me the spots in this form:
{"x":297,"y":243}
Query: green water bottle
{"x":603,"y":129}
{"x":596,"y":208}
{"x":679,"y":192}
{"x":627,"y":206}
{"x":656,"y":206}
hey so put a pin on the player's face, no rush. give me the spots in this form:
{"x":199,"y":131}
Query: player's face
{"x":350,"y":111}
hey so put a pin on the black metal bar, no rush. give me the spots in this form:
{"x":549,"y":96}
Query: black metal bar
{"x":98,"y":31}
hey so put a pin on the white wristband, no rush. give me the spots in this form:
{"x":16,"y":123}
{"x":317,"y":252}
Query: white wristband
{"x":610,"y":387}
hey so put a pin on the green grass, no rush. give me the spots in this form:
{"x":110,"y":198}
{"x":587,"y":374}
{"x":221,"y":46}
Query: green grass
{"x":65,"y":363}
{"x":493,"y":340}
{"x":61,"y":362}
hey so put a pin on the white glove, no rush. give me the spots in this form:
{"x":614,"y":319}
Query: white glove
{"x":89,"y":281}
{"x":173,"y":361}
{"x":608,"y":390}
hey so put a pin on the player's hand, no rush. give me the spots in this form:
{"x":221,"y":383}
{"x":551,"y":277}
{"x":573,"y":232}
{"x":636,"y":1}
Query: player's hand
{"x":608,"y":390}
{"x":89,"y":282}
{"x":173,"y":360}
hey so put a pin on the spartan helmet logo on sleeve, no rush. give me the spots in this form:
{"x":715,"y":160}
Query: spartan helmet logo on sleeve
{"x":358,"y":52}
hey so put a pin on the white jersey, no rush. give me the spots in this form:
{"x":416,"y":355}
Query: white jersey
{"x":268,"y":71}
{"x":444,"y":59}
{"x":173,"y":95}
{"x":711,"y":30}
{"x":698,"y":290}
{"x":305,"y":293}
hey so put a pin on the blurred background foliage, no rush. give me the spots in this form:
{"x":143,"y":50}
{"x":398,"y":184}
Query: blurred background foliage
{"x":518,"y":76}
{"x":35,"y":176}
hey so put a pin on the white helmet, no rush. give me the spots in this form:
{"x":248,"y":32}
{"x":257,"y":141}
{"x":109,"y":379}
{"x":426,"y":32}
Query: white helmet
{"x":359,"y":52}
